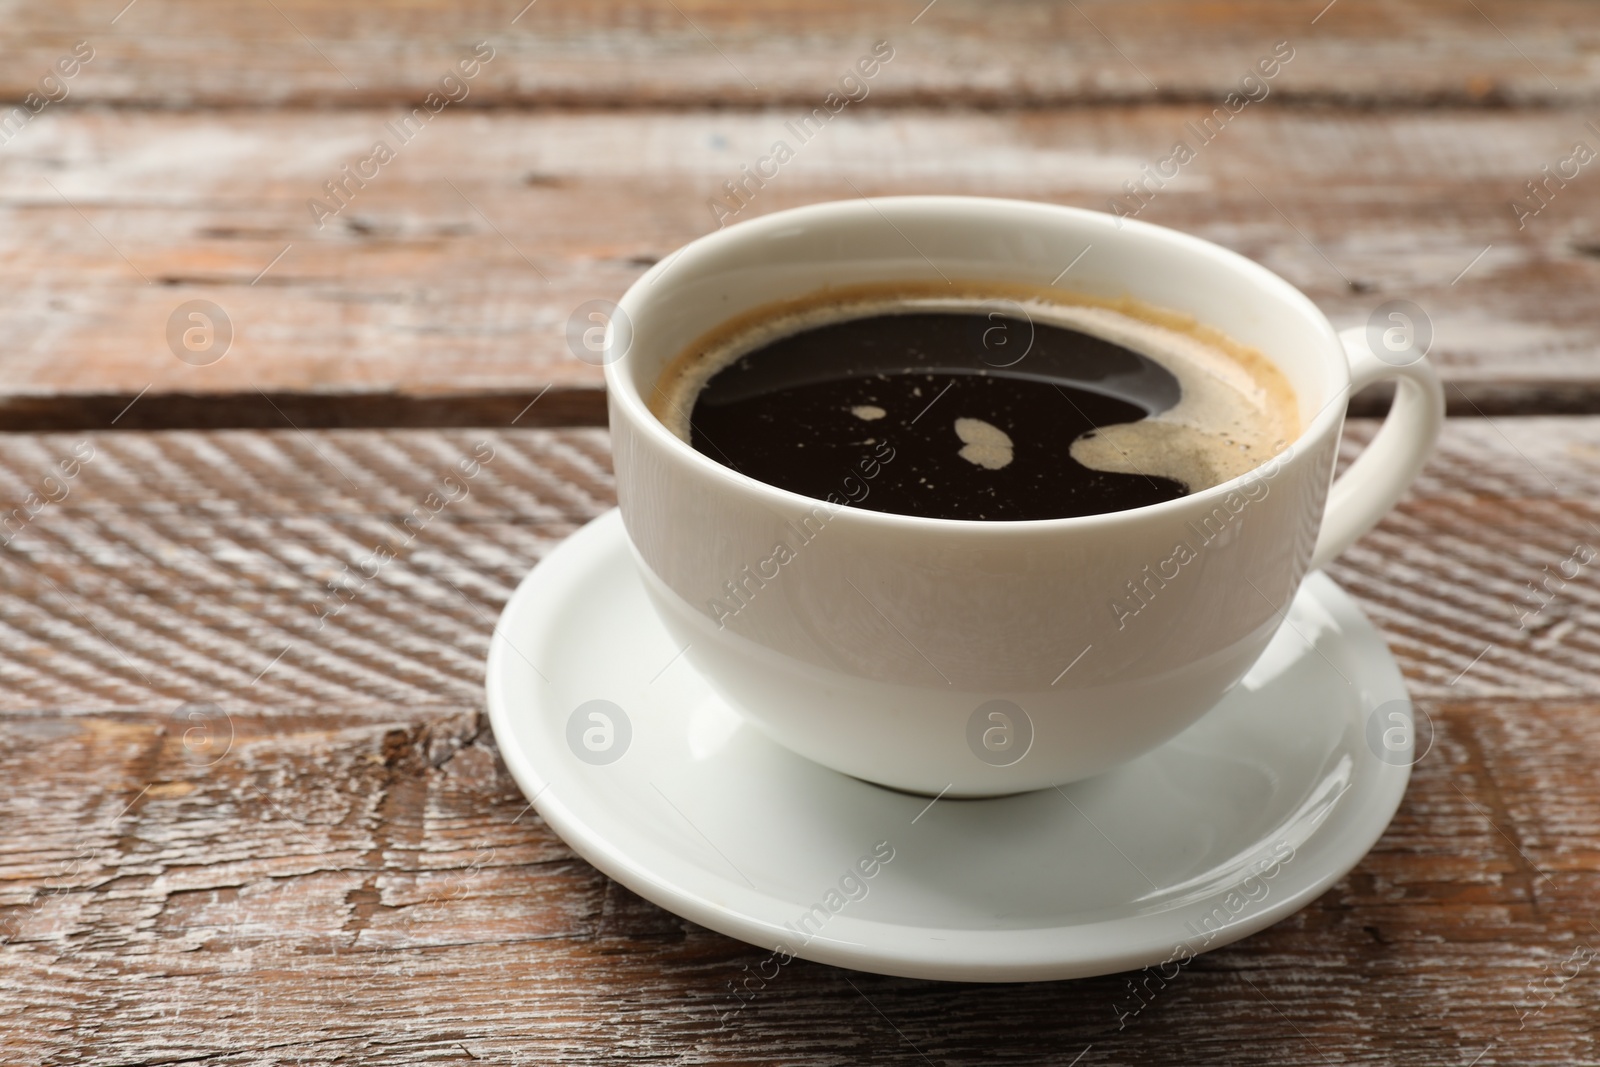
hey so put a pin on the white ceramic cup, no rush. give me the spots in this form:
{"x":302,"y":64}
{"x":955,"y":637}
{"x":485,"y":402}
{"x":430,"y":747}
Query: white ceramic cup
{"x":975,"y":658}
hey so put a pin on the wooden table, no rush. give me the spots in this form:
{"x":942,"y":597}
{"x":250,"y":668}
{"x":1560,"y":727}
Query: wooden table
{"x":229,"y":837}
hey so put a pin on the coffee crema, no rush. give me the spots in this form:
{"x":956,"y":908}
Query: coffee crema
{"x":986,"y":403}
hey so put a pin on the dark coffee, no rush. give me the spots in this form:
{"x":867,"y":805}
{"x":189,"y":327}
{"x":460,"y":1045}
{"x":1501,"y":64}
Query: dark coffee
{"x":965,"y":439}
{"x":974,"y":413}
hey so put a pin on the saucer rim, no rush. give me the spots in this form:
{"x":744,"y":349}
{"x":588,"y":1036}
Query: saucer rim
{"x":1041,"y":952}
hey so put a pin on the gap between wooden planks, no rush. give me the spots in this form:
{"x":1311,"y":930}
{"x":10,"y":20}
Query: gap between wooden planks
{"x":572,"y":406}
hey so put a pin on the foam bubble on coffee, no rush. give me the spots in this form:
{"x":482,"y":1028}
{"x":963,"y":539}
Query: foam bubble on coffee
{"x":984,"y":444}
{"x":1235,"y":410}
{"x":1229,"y":419}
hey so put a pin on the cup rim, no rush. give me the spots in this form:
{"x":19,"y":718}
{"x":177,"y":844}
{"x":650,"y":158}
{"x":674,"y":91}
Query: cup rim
{"x":623,"y":394}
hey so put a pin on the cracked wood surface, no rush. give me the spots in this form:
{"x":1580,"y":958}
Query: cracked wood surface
{"x":232,"y":837}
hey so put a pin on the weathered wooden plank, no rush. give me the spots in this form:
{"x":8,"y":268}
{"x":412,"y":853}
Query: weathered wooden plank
{"x":367,"y":884}
{"x":1480,"y":580}
{"x":267,"y":577}
{"x":239,"y":567}
{"x":186,"y":53}
{"x":454,"y":272}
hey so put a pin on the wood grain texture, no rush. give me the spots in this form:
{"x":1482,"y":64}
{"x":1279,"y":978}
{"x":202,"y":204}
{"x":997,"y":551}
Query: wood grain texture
{"x":211,"y":851}
{"x":188,"y":53}
{"x":351,"y":887}
{"x":453,"y":274}
{"x":260,"y":535}
{"x":1476,"y":563}
{"x":235,"y":834}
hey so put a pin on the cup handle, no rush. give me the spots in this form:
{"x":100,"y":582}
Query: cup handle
{"x":1384,"y":471}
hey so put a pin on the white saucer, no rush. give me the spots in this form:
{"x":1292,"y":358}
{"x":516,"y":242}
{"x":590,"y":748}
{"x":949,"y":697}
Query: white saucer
{"x":1241,"y":820}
